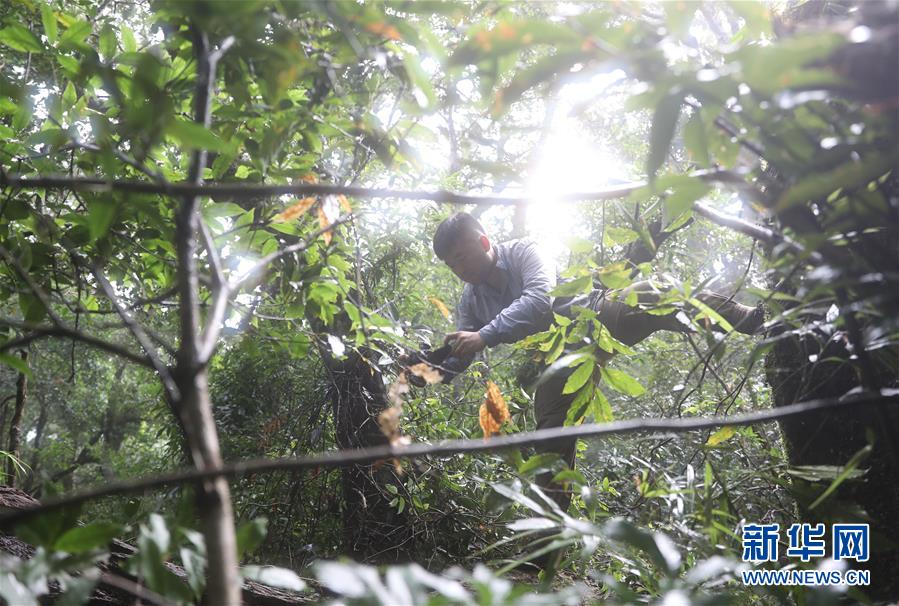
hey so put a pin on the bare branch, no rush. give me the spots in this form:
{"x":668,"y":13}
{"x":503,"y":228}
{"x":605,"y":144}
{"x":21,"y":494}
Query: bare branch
{"x":237,"y":191}
{"x":217,"y":54}
{"x":287,"y":250}
{"x":361,"y":456}
{"x":218,"y":274}
{"x":137,"y":330}
{"x":40,"y":332}
{"x":143,"y":594}
{"x":752,"y":230}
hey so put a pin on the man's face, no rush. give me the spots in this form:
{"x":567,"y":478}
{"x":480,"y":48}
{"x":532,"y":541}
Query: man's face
{"x":470,"y":259}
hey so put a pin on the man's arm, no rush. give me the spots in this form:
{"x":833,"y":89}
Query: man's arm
{"x":465,"y":322}
{"x":532,"y":311}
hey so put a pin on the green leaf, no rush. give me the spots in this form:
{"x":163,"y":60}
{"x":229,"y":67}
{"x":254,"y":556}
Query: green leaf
{"x":250,"y":536}
{"x":543,"y":70}
{"x":619,"y":235}
{"x":785,"y":64}
{"x":33,"y":309}
{"x":193,"y":136}
{"x":681,"y":200}
{"x":849,"y":175}
{"x":69,"y":96}
{"x":537,"y":462}
{"x":845,"y":473}
{"x":678,"y":16}
{"x":584,"y":284}
{"x":108,"y":45}
{"x":616,"y":275}
{"x":579,"y":405}
{"x":579,"y":245}
{"x":695,"y":140}
{"x":723,"y":434}
{"x":708,"y":312}
{"x":48,"y":18}
{"x":100,"y":216}
{"x":426,"y":97}
{"x":20,"y":38}
{"x":16,"y":363}
{"x":664,"y":122}
{"x":600,"y":408}
{"x":88,"y":538}
{"x":129,"y":43}
{"x":516,"y":496}
{"x":756,"y":16}
{"x":621,"y":381}
{"x":658,"y":547}
{"x":74,"y":36}
{"x":579,"y":377}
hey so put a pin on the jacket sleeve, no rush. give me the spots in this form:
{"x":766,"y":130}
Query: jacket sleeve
{"x":465,"y":320}
{"x":532,"y":311}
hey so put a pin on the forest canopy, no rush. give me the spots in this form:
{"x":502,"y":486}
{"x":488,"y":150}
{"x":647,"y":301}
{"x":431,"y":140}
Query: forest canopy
{"x":251,"y":352}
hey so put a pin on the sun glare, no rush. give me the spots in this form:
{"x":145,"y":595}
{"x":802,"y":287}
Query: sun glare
{"x":567,"y":163}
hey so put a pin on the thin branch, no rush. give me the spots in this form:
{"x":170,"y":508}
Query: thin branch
{"x":40,"y":332}
{"x":237,"y":191}
{"x":217,"y":54}
{"x":142,"y":593}
{"x":287,"y":250}
{"x":221,"y":296}
{"x":137,"y":330}
{"x":361,"y":456}
{"x":752,"y":230}
{"x":218,"y":274}
{"x":35,"y":289}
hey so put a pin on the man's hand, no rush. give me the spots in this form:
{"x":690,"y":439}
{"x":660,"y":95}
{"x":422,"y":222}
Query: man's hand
{"x":465,"y":343}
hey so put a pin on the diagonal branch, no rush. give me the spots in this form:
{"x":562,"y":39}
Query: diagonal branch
{"x":361,"y":456}
{"x":35,"y":288}
{"x":137,"y":330}
{"x":236,"y":285}
{"x":769,"y":236}
{"x":40,"y":332}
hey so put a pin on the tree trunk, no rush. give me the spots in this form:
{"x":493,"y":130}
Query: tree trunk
{"x":372,"y":527}
{"x":827,"y":360}
{"x":213,"y":496}
{"x":832,"y":439}
{"x":15,"y":426}
{"x":193,"y":404}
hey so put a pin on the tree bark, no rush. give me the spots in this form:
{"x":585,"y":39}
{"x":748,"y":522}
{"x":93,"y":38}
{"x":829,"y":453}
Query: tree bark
{"x":828,"y":359}
{"x":15,"y":425}
{"x":372,"y":527}
{"x":193,"y":403}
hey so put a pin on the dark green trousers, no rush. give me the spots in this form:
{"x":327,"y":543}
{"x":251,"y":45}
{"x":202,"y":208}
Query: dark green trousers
{"x":630,"y":325}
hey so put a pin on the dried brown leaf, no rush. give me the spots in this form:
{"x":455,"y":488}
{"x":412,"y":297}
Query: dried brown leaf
{"x":427,"y":372}
{"x":294,"y":210}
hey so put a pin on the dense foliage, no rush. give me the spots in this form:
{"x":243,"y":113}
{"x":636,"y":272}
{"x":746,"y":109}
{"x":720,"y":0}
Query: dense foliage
{"x":763,"y":138}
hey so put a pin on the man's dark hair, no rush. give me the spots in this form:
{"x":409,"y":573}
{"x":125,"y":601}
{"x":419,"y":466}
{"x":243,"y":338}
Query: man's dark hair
{"x":456,"y":228}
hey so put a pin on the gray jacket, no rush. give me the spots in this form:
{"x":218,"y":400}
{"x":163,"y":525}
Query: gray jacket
{"x":518,"y":307}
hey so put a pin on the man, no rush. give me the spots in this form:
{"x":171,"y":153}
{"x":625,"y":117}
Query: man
{"x":506,"y":298}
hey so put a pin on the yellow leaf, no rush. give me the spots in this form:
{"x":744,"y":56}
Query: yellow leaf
{"x":725,"y":433}
{"x":383,"y":29}
{"x":441,"y":306}
{"x":323,"y":222}
{"x":493,"y":412}
{"x":293,"y":211}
